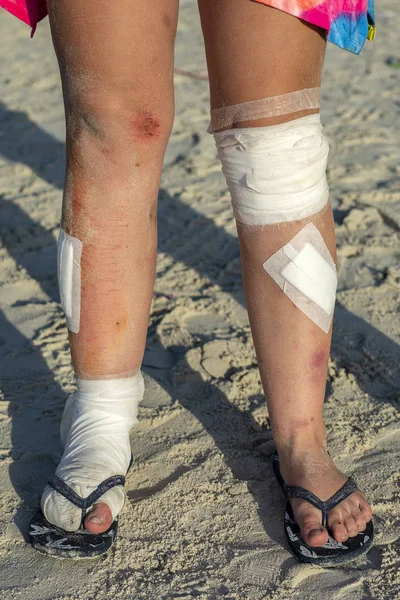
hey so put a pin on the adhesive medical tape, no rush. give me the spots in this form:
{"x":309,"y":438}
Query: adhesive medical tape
{"x":285,"y":104}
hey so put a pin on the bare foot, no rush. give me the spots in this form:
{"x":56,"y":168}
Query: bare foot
{"x":312,"y":468}
{"x":99,"y":519}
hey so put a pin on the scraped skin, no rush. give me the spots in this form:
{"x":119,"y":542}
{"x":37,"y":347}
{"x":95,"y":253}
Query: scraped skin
{"x":272,"y":53}
{"x":116,"y":64}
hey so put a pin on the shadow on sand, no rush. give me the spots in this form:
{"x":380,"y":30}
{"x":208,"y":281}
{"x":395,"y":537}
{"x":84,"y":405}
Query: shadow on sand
{"x":47,"y":160}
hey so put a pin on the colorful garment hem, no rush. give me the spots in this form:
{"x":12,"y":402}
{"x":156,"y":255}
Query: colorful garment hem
{"x":349,"y":22}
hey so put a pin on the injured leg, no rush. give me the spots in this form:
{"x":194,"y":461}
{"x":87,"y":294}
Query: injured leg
{"x":118,"y":96}
{"x":277,"y":179}
{"x":265,"y":69}
{"x":292,"y":353}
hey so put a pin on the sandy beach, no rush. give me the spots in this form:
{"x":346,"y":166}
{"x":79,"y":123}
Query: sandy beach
{"x":204,"y":516}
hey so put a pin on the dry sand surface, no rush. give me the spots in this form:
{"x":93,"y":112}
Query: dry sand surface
{"x":204,"y":516}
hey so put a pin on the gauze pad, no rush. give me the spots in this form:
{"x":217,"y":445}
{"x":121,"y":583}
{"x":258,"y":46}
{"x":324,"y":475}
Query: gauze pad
{"x":305,"y":271}
{"x":69,"y":253}
{"x":95,"y":431}
{"x":276,"y":173}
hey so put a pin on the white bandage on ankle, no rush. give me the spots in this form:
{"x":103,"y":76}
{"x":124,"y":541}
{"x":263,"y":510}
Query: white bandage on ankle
{"x":275,"y":173}
{"x":305,"y":271}
{"x":69,"y":252}
{"x":95,"y":431}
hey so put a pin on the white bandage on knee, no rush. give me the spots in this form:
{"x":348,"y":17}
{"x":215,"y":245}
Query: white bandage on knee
{"x":275,"y":173}
{"x":95,"y":431}
{"x":69,"y":252}
{"x":305,"y":271}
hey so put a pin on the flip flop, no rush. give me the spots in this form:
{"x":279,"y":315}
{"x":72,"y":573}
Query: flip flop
{"x":52,"y":540}
{"x":332,"y":552}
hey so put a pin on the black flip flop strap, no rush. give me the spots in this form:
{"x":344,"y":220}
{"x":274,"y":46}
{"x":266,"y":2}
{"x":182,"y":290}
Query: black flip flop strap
{"x":83,"y":503}
{"x":292,"y":491}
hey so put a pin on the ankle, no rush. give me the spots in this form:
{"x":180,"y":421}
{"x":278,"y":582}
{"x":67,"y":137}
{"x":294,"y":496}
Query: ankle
{"x":302,"y":459}
{"x":296,"y":442}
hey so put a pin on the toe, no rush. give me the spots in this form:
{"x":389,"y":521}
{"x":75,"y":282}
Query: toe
{"x":313,"y":533}
{"x":339,"y":530}
{"x":308,"y":519}
{"x":359,"y":520}
{"x":99,"y":519}
{"x":366,"y":511}
{"x":351,"y":526}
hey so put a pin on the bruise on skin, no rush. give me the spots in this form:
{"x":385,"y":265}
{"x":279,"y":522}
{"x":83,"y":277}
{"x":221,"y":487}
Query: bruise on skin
{"x":319,"y":359}
{"x":146,"y":125}
{"x":167,"y":21}
{"x":319,"y":366}
{"x":153,"y":214}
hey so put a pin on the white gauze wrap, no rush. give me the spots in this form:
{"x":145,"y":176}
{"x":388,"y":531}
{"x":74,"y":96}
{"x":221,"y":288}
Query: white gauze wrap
{"x":275,"y":173}
{"x":95,"y":433}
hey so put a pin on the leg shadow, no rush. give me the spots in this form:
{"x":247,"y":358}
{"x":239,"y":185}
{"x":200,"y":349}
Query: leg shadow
{"x":33,"y":399}
{"x":236,"y":434}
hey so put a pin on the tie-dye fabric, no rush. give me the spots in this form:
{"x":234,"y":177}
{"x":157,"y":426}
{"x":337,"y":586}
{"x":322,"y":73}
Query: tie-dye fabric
{"x":349,"y":22}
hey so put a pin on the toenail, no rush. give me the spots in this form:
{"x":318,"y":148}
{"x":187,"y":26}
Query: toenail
{"x":96,"y":520}
{"x":315,"y":532}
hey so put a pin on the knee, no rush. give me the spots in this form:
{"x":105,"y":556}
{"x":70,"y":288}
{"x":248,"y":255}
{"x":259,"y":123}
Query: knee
{"x":276,"y":174}
{"x":275,"y":166}
{"x":118,"y":122}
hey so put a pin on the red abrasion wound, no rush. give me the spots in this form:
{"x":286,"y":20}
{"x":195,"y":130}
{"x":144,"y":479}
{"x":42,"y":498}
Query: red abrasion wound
{"x":146,"y":125}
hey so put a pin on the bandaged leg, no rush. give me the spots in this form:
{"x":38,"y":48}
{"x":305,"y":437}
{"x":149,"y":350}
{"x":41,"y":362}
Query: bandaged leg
{"x":98,"y":417}
{"x":102,"y":313}
{"x":116,"y":139}
{"x":281,"y":54}
{"x":100,"y":263}
{"x":277,"y":174}
{"x":95,"y":432}
{"x":117,"y":134}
